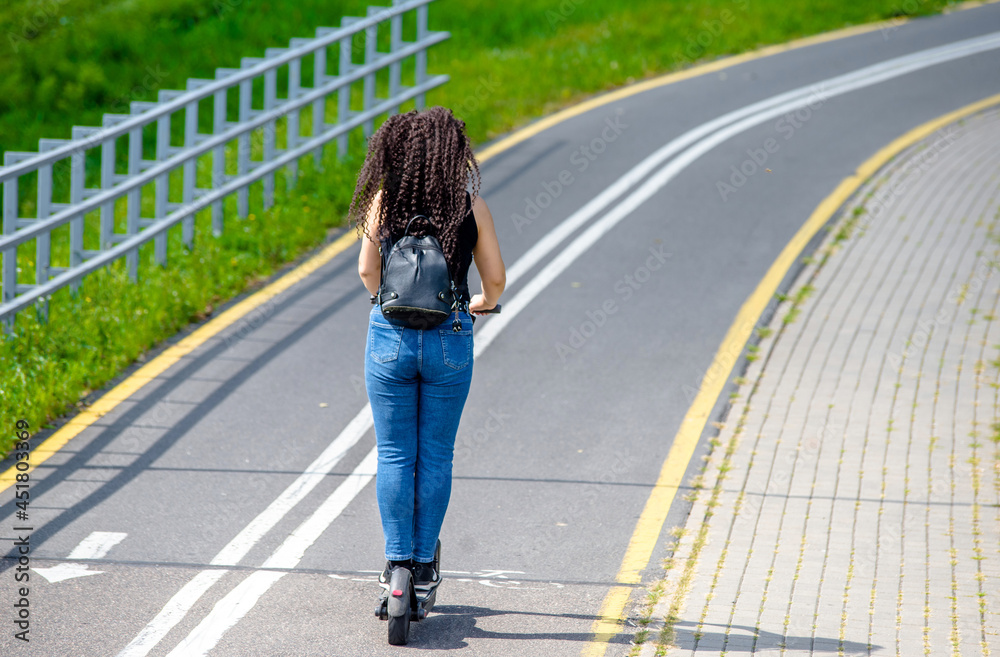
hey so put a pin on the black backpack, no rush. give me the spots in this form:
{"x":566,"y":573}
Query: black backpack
{"x":417,"y":290}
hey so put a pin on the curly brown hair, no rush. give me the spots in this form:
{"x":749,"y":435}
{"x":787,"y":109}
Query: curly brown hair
{"x":422,"y":162}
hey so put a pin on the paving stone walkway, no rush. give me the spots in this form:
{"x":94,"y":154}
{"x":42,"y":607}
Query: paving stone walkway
{"x":852,"y":504}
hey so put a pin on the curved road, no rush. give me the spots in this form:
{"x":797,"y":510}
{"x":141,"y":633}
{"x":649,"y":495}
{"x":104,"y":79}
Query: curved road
{"x":575,"y":402}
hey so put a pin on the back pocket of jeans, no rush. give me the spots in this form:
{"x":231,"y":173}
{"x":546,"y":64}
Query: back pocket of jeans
{"x":456,"y":347}
{"x":384,"y":341}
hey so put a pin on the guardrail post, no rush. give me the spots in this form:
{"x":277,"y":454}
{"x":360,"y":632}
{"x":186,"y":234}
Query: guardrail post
{"x":243,"y":151}
{"x":421,"y":57}
{"x":190,"y":171}
{"x":133,"y":209}
{"x":371,"y":54}
{"x":271,"y":127}
{"x":319,"y":106}
{"x":136,"y":165}
{"x":344,"y":92}
{"x":77,"y":178}
{"x":9,"y":226}
{"x":218,"y":158}
{"x":395,"y":43}
{"x":109,"y":178}
{"x":43,"y":251}
{"x":220,"y":103}
{"x":107,"y":182}
{"x":163,"y":152}
{"x":294,"y":128}
{"x":162,"y":188}
{"x":218,"y":162}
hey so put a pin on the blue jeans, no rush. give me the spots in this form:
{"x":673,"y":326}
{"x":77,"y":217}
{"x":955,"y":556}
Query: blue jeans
{"x":417,"y":383}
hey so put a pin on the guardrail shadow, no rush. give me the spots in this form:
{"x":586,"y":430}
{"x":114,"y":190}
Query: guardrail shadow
{"x":174,"y":378}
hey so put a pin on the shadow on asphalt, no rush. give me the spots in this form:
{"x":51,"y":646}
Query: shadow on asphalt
{"x":448,"y":627}
{"x":752,"y":640}
{"x":186,"y":368}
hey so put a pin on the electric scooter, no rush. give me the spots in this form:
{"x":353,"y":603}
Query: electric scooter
{"x":403,"y":603}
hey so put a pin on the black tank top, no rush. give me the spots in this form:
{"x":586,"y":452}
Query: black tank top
{"x":468,"y":235}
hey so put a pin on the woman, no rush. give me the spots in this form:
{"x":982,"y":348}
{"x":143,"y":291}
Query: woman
{"x":418,"y":380}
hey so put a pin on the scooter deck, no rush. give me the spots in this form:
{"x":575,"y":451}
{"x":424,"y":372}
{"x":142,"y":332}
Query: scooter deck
{"x":427,"y":601}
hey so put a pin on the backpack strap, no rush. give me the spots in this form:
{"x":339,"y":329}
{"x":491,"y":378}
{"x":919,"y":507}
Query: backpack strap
{"x":383,"y":253}
{"x":414,"y":218}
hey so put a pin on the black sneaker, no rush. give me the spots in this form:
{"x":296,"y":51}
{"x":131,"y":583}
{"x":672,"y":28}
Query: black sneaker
{"x":386,"y":575}
{"x":425,"y":576}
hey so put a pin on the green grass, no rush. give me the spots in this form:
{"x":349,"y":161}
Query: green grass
{"x":65,"y":63}
{"x":510,"y":60}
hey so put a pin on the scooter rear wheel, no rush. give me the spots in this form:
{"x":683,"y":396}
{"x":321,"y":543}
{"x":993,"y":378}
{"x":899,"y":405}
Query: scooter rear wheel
{"x":399,"y":629}
{"x":401,"y":602}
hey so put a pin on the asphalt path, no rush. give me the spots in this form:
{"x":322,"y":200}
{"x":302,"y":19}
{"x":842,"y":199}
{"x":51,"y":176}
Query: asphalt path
{"x":573,"y":407}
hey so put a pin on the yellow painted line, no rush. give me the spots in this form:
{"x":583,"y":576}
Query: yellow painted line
{"x":968,"y":4}
{"x":161,"y":363}
{"x":654,"y":514}
{"x":172,"y":354}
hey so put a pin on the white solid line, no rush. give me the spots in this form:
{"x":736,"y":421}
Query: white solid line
{"x":172,"y":613}
{"x":824,"y":89}
{"x":230,"y":609}
{"x":248,"y":595}
{"x":226,"y":613}
{"x":556,"y":236}
{"x":237,"y":548}
{"x":291,"y":550}
{"x":97,"y":545}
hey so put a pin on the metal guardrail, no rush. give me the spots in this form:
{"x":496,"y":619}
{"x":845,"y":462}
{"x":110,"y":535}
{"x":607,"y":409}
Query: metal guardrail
{"x":18,"y":230}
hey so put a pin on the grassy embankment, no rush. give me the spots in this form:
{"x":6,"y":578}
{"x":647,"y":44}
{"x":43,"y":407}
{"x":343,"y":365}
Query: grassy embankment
{"x":67,"y":63}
